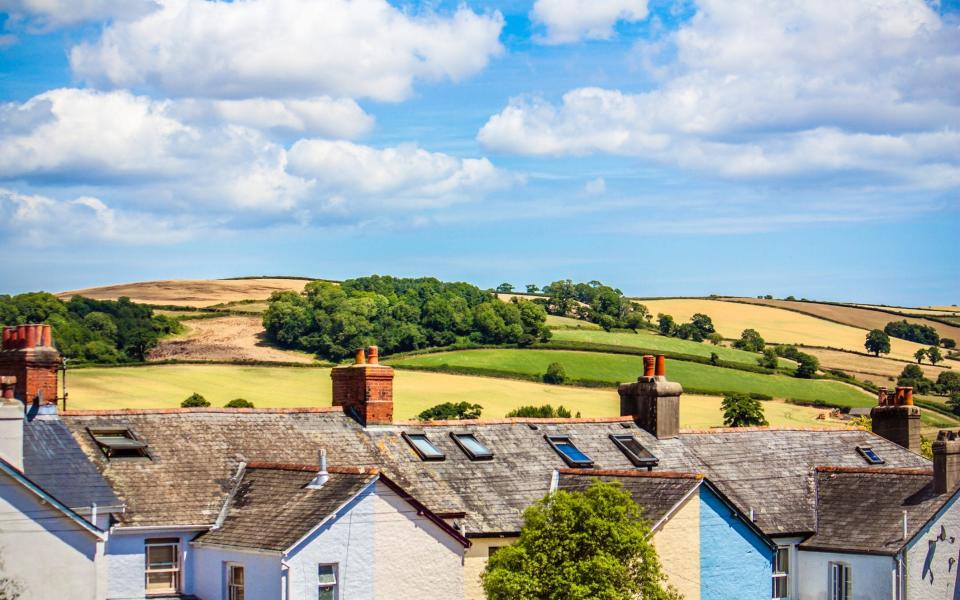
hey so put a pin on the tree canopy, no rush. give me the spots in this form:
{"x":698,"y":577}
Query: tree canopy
{"x":595,"y":302}
{"x":580,"y":545}
{"x":740,"y":410}
{"x":914,"y":332}
{"x":750,"y":341}
{"x":545,"y":411}
{"x":451,"y":411}
{"x":877,"y":342}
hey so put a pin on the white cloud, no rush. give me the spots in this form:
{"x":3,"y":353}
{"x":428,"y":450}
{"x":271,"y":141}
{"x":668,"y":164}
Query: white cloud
{"x":572,"y":20}
{"x":340,"y":118}
{"x":48,"y":14}
{"x":596,"y":186}
{"x":287,"y":49}
{"x":770,"y":88}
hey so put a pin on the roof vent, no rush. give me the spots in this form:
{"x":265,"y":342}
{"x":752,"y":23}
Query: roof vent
{"x":322,"y":476}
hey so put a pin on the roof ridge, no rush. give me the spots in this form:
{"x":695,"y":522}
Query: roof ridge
{"x":339,"y":470}
{"x":633,"y":473}
{"x":755,"y":428}
{"x":517,"y":420}
{"x":875,"y":470}
{"x":205,"y":409}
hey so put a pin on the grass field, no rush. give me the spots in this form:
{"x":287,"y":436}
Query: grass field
{"x":555,"y":322}
{"x":193,"y":293}
{"x":775,"y":324}
{"x":165,"y":386}
{"x":615,"y":368}
{"x":652,"y":341}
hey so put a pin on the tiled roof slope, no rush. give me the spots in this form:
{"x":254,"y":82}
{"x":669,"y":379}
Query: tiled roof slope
{"x":654,"y":494}
{"x":54,"y":461}
{"x":272,"y":508}
{"x":862,"y":509}
{"x":195,"y":453}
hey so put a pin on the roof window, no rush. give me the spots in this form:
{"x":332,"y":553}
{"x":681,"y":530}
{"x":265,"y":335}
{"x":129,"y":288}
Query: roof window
{"x":424,"y":448}
{"x":568,"y":451}
{"x":869,"y":455}
{"x":471,"y":446}
{"x":118,"y":442}
{"x":634,"y":450}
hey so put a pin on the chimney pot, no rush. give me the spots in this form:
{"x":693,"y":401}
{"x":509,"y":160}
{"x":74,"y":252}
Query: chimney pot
{"x":359,"y":357}
{"x":373,"y":355}
{"x":47,"y":338}
{"x":908,"y":396}
{"x":661,"y":370}
{"x":31,"y":336}
{"x":29,"y":357}
{"x":653,"y":402}
{"x":7,"y":385}
{"x":648,"y":365}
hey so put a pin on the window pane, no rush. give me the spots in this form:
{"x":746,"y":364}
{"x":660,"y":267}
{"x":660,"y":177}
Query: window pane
{"x":424,"y":446}
{"x":780,"y":587}
{"x":161,"y":556}
{"x":327,"y":593}
{"x":471,"y":444}
{"x":328,"y":574}
{"x":572,"y":451}
{"x":161,"y":581}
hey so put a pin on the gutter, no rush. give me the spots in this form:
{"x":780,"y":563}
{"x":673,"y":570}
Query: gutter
{"x":132,"y":529}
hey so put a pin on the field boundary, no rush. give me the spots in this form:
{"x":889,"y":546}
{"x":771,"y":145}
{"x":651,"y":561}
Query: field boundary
{"x":175,"y":361}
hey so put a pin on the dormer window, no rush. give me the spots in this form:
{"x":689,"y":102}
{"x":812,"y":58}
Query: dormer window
{"x":634,"y":450}
{"x":422,"y":445}
{"x":118,"y":442}
{"x":471,"y":446}
{"x":869,"y":455}
{"x":568,"y":451}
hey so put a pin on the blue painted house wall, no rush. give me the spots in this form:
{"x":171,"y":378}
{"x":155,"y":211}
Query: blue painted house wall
{"x":735,"y":560}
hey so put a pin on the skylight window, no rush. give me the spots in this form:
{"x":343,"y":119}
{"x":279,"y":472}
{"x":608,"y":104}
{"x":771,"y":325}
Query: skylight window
{"x":634,"y":450}
{"x":568,"y":451}
{"x":423,"y":446}
{"x":471,"y":446}
{"x":869,"y":455}
{"x":119,"y":442}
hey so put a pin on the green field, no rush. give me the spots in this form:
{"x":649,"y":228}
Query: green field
{"x":614,"y":368}
{"x":164,"y":386}
{"x":651,"y":341}
{"x":555,"y":322}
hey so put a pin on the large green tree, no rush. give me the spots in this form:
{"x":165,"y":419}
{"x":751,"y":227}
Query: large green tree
{"x":580,"y":545}
{"x":750,"y":341}
{"x":877,"y":342}
{"x":740,"y":410}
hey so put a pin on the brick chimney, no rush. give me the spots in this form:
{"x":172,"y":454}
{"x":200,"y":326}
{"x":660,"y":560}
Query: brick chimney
{"x":653,"y":402}
{"x":946,"y":461}
{"x":896,"y":418}
{"x":365,"y":388}
{"x":27,"y":353}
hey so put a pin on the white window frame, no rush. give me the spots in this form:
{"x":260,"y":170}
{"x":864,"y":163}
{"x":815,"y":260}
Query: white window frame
{"x":175,"y":569}
{"x":326,"y":585}
{"x":783,"y":574}
{"x":846,"y":581}
{"x":232,"y":587}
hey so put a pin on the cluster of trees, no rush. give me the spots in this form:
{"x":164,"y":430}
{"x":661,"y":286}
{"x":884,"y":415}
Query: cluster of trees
{"x":922,"y":334}
{"x":699,"y":327}
{"x":99,"y":331}
{"x":750,"y":341}
{"x":878,"y":342}
{"x":195,"y":400}
{"x":451,"y":411}
{"x":546,"y":411}
{"x":932,"y":354}
{"x":398,"y":315}
{"x":946,"y":384}
{"x":807,"y":364}
{"x":594,"y":302}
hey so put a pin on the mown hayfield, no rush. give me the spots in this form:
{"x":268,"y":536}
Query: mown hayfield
{"x":615,"y":368}
{"x":555,"y":322}
{"x":775,"y":324}
{"x":652,"y":341}
{"x":881,"y":371}
{"x":268,"y":387}
{"x":193,"y":293}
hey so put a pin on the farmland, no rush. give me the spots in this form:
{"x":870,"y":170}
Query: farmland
{"x":224,"y":339}
{"x":267,"y":387}
{"x":192,"y":293}
{"x":615,"y":368}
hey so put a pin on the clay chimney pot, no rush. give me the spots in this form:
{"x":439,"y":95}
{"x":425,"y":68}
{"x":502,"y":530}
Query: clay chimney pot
{"x":661,"y":370}
{"x":47,"y":336}
{"x":31,"y":336}
{"x":359,"y":357}
{"x":373,"y":355}
{"x":908,"y":396}
{"x":648,"y":365}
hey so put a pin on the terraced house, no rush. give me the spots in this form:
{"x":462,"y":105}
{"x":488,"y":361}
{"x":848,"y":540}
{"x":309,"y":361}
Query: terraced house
{"x":238,"y":503}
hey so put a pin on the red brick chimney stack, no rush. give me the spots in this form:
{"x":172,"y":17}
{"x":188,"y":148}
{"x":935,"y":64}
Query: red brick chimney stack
{"x":896,"y":418}
{"x":652,"y":401}
{"x":365,"y":388}
{"x":27,"y":355}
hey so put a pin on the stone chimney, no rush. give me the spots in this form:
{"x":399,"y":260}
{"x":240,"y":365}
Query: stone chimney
{"x":27,"y":353}
{"x":946,"y":461}
{"x":11,"y":423}
{"x":365,"y":388}
{"x":653,"y":402}
{"x":896,"y":418}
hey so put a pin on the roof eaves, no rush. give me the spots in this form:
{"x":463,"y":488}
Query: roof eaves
{"x":514,"y":421}
{"x":631,"y":473}
{"x":939,"y":512}
{"x":197,"y":410}
{"x":740,"y":514}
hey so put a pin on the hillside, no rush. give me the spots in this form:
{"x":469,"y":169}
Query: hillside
{"x":195,"y":293}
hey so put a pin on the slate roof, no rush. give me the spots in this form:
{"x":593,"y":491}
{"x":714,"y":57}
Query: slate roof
{"x":656,"y":493}
{"x":195,"y":453}
{"x":861,"y":510}
{"x":272,"y":508}
{"x":54,"y":461}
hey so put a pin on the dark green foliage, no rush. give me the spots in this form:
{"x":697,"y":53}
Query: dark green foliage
{"x":505,"y":288}
{"x":912,"y":375}
{"x":954,"y":403}
{"x":877,"y":342}
{"x":239,"y":403}
{"x":194,"y":400}
{"x":807,"y":366}
{"x":920,"y":355}
{"x":540,"y":412}
{"x":922,"y":334}
{"x":703,"y":323}
{"x":740,"y":410}
{"x":948,"y":343}
{"x":595,"y":302}
{"x":759,"y":396}
{"x":101,"y":331}
{"x":714,"y":359}
{"x":715,"y":338}
{"x":688,"y":331}
{"x":398,"y":315}
{"x":450,"y":411}
{"x":933,"y":355}
{"x":949,"y":382}
{"x":555,"y":374}
{"x":769,"y":360}
{"x":533,"y":288}
{"x":578,"y":546}
{"x":666,"y":325}
{"x":750,"y":341}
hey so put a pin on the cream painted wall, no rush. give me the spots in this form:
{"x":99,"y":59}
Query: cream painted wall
{"x":678,"y":545}
{"x":930,"y":574}
{"x":476,"y":561}
{"x":872,"y":576}
{"x":37,"y":541}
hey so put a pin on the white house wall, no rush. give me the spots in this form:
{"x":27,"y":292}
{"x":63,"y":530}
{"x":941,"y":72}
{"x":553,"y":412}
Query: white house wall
{"x":932,"y":558}
{"x":126,"y":562}
{"x":872,"y":576}
{"x":262,"y":573}
{"x":43,"y":553}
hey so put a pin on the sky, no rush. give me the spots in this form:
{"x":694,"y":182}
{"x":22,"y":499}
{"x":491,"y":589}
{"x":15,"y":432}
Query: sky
{"x":685,"y":147}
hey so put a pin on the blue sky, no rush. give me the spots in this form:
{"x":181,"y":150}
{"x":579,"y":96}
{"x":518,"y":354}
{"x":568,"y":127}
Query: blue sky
{"x":668,"y":148}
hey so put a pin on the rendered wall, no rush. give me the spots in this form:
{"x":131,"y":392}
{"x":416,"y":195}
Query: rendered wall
{"x":126,"y":562}
{"x":872,"y":577}
{"x":678,"y":545}
{"x":930,"y":573}
{"x":734,"y":560}
{"x":261,"y":573}
{"x":43,"y":553}
{"x":475,"y":562}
